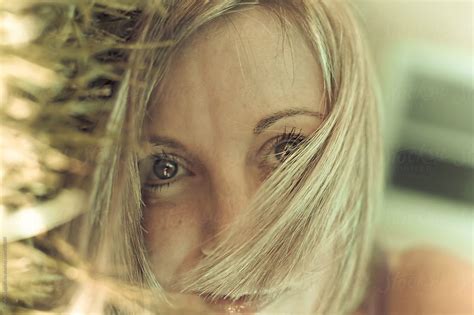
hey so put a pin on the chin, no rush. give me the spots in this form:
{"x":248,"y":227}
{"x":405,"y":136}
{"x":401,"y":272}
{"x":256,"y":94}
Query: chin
{"x":246,"y":304}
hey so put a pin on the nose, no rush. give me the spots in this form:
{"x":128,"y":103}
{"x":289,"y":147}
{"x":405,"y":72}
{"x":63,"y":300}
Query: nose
{"x":230,"y":192}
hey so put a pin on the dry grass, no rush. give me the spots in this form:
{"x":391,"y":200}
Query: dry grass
{"x":61,"y":61}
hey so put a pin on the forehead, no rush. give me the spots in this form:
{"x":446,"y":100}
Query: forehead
{"x":236,"y":69}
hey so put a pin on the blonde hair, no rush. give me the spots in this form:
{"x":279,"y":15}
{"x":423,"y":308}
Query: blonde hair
{"x":321,"y":201}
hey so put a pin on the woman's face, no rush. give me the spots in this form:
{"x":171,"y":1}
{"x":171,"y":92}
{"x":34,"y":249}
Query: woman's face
{"x":216,"y":130}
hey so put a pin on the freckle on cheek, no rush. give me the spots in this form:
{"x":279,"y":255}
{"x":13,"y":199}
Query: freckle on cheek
{"x":163,"y":217}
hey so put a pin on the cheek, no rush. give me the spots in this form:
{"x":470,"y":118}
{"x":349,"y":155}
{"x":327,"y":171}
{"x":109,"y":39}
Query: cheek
{"x":172,"y":237}
{"x":166,"y":222}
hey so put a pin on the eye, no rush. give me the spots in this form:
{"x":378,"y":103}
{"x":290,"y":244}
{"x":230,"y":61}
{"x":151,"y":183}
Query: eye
{"x":283,"y":146}
{"x":286,"y":144}
{"x":165,"y":170}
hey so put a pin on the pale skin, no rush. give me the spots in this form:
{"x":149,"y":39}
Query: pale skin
{"x":219,"y":88}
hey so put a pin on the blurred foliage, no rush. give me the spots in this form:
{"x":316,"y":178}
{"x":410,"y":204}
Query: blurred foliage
{"x":62,"y":62}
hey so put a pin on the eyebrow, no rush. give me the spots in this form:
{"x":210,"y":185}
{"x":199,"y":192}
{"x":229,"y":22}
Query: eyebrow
{"x":263,"y":124}
{"x":269,"y":120}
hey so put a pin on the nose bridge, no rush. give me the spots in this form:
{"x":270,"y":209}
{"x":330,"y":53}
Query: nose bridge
{"x":230,"y":193}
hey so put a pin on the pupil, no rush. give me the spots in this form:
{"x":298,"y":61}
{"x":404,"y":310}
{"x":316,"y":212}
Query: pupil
{"x":165,"y":169}
{"x":283,"y":150}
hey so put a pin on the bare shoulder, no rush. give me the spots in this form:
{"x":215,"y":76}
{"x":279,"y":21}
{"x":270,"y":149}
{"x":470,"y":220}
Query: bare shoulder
{"x":426,"y":280}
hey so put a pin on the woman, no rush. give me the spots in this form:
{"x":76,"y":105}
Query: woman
{"x":245,"y":169}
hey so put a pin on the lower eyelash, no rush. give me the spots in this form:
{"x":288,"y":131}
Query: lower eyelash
{"x":156,"y":187}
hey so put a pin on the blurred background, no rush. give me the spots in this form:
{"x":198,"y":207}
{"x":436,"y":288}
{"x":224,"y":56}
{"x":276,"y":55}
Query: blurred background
{"x":424,"y":58}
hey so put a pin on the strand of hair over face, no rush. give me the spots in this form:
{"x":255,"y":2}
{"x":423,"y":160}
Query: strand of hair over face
{"x":311,"y":220}
{"x":316,"y":205}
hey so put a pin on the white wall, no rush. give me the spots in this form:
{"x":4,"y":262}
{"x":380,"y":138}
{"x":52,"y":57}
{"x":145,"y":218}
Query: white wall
{"x":412,"y":218}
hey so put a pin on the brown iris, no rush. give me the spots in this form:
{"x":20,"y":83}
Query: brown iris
{"x":284,"y":149}
{"x":165,"y":169}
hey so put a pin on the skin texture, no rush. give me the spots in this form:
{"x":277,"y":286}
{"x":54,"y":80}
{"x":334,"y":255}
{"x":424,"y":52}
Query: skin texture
{"x":219,"y":87}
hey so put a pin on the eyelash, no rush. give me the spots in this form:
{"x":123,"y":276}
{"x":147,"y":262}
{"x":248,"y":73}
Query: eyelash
{"x":164,"y":156}
{"x":290,"y":136}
